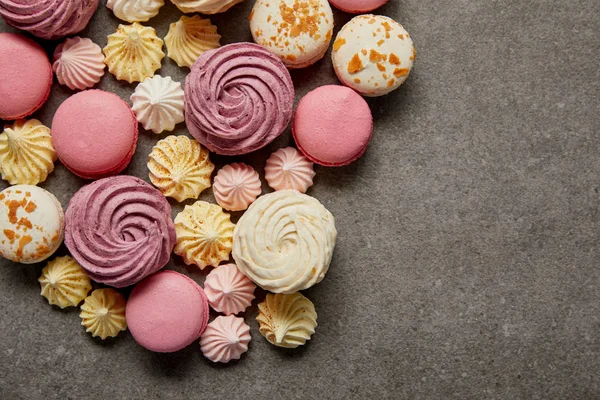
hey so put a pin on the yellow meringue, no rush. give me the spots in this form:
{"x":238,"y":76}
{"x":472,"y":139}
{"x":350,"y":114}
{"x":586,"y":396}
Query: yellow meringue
{"x":204,"y":234}
{"x":287,"y":320}
{"x":180,"y":168}
{"x":64,"y":283}
{"x":133,"y":53}
{"x":103,"y":313}
{"x":205,"y":6}
{"x":189,"y":37}
{"x":26,"y":152}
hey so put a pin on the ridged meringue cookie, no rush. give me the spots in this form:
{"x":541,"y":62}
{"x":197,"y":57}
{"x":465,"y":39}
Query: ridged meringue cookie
{"x":78,"y":63}
{"x":64,"y":283}
{"x":158,"y":103}
{"x":228,"y":290}
{"x":285,"y":241}
{"x":287,"y":168}
{"x":236,"y":186}
{"x":103,"y":313}
{"x":26,"y":152}
{"x":225,"y":339}
{"x":204,"y":234}
{"x":135,"y":10}
{"x":205,"y":6}
{"x":133,"y":53}
{"x":180,"y":168}
{"x":287,"y":320}
{"x":189,"y":37}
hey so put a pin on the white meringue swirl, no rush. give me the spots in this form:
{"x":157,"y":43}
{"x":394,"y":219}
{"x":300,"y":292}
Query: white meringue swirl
{"x":205,"y":6}
{"x":135,"y":10}
{"x":158,"y":103}
{"x":285,"y":241}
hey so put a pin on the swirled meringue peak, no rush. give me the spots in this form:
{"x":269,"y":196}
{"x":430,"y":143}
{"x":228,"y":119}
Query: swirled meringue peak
{"x":238,"y":98}
{"x":179,"y":167}
{"x":285,"y":241}
{"x":48,"y":19}
{"x":189,"y":37}
{"x":236,"y":186}
{"x":64,"y":283}
{"x":78,"y":63}
{"x":228,"y":290}
{"x":287,"y":168}
{"x":205,"y":6}
{"x":119,"y":229}
{"x":287,"y":320}
{"x":225,"y":339}
{"x":135,"y":10}
{"x":133,"y":53}
{"x":158,"y":103}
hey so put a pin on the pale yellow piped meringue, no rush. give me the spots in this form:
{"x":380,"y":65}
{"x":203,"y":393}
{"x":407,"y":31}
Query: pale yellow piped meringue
{"x":26,"y":152}
{"x":205,"y":6}
{"x":204,"y":234}
{"x":189,"y":37}
{"x":64,"y":283}
{"x":180,"y":167}
{"x":133,"y":53}
{"x":287,"y":320}
{"x":103,"y":313}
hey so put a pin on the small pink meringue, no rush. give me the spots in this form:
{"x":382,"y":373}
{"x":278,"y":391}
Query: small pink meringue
{"x":78,"y":63}
{"x":225,"y":339}
{"x":287,"y":168}
{"x":236,"y":186}
{"x":228,"y":290}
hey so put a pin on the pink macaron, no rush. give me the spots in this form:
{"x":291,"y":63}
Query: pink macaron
{"x":332,"y":125}
{"x":25,"y":76}
{"x":357,"y":6}
{"x":95,"y":134}
{"x":166,"y":312}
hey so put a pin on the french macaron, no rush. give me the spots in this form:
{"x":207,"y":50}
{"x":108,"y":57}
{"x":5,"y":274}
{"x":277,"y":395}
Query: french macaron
{"x":32,"y":224}
{"x":332,"y":125}
{"x":166,"y":312}
{"x":95,"y":134}
{"x":25,"y":76}
{"x":357,"y":6}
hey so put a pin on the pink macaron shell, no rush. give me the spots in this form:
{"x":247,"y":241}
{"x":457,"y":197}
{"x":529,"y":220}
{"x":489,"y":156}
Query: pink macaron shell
{"x":332,"y":125}
{"x":25,"y":76}
{"x":357,"y":6}
{"x":94,"y":133}
{"x":166,"y":312}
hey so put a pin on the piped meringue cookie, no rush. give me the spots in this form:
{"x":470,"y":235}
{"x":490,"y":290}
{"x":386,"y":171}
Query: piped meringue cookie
{"x":285,"y":241}
{"x":158,"y":103}
{"x":180,"y":168}
{"x":236,"y":186}
{"x":205,"y":6}
{"x":287,"y":168}
{"x":225,"y":339}
{"x":135,"y":10}
{"x":228,"y":290}
{"x":204,"y":234}
{"x":26,"y":152}
{"x":287,"y":320}
{"x":32,"y":224}
{"x":133,"y":53}
{"x":64,"y":283}
{"x":103,"y":313}
{"x":189,"y":37}
{"x":297,"y":31}
{"x":78,"y":63}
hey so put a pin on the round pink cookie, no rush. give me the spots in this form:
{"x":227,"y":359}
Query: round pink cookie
{"x":94,"y":134}
{"x":25,"y":76}
{"x":166,"y":312}
{"x":357,"y":6}
{"x":332,"y":125}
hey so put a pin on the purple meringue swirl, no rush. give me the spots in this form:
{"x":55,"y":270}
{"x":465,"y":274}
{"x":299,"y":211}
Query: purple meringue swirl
{"x":48,"y":19}
{"x":238,"y":98}
{"x":120,"y":230}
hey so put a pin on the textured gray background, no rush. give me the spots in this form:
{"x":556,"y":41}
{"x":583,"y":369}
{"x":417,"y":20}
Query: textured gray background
{"x":467,"y":262}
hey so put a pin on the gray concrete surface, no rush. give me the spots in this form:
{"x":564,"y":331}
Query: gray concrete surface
{"x":467,"y":262}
